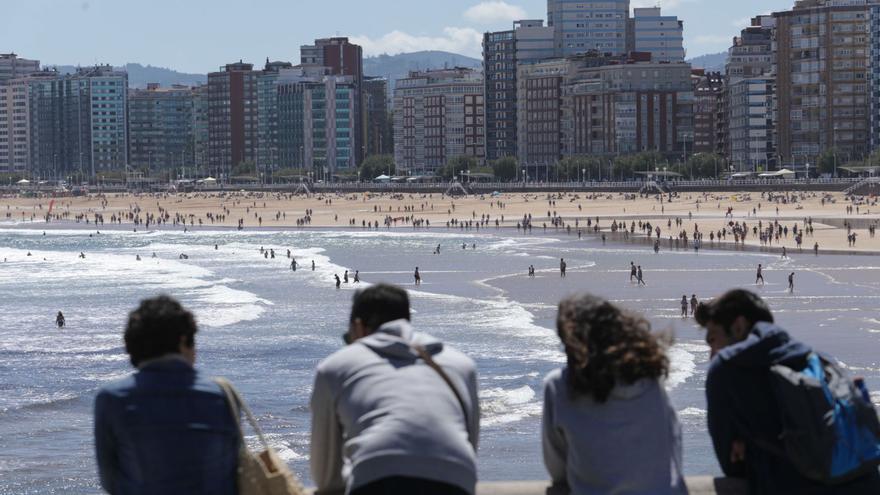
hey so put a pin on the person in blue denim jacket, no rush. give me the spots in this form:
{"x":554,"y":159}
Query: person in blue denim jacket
{"x":165,"y":429}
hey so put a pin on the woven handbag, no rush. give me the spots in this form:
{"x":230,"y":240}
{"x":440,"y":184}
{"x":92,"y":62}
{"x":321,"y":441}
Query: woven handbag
{"x":262,"y":473}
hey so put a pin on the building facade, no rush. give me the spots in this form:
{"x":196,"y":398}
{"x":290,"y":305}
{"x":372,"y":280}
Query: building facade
{"x":709,"y":91}
{"x":503,"y":51}
{"x":12,"y":66}
{"x":200,"y":135}
{"x":232,"y":118}
{"x":14,"y":126}
{"x":439,"y":115}
{"x":267,"y":115}
{"x":378,"y":125}
{"x":583,"y":25}
{"x":161,"y":124}
{"x":661,"y":36}
{"x":539,"y":116}
{"x":821,"y":66}
{"x":751,"y":124}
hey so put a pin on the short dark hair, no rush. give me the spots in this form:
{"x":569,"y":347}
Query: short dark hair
{"x":730,"y":306}
{"x":155,"y":328}
{"x":379,"y":304}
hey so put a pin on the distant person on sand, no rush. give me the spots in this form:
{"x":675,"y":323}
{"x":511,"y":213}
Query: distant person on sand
{"x":417,"y":276}
{"x":755,"y":368}
{"x":791,"y":282}
{"x":562,"y":267}
{"x":615,"y":369}
{"x":694,"y":304}
{"x":59,"y":320}
{"x":760,"y":275}
{"x":640,"y":276}
{"x":632,"y":271}
{"x":167,"y":428}
{"x":684,"y":306}
{"x":409,"y":423}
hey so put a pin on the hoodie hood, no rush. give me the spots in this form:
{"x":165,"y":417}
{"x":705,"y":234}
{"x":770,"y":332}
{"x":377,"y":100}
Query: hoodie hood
{"x":767,"y":345}
{"x":633,"y":391}
{"x":396,"y":339}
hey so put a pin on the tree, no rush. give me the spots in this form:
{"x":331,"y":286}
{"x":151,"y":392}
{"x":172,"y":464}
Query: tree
{"x":456,"y":165}
{"x":579,"y":168}
{"x":701,"y":165}
{"x":827,"y":161}
{"x":375,"y":165}
{"x":505,"y":168}
{"x":246,"y":167}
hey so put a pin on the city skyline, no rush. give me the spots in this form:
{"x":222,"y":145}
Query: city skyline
{"x":193,"y":39}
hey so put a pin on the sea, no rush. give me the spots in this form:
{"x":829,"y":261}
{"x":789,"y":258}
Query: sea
{"x":266,"y":327}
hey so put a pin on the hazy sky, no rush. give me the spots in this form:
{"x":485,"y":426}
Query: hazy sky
{"x":201,"y":35}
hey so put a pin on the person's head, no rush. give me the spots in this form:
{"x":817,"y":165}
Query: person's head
{"x":606,"y":346}
{"x":158,"y":327}
{"x":373,"y":307}
{"x":729,"y":319}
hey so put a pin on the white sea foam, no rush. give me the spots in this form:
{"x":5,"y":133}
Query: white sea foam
{"x":501,"y":406}
{"x":692,"y":412}
{"x":683,"y":359}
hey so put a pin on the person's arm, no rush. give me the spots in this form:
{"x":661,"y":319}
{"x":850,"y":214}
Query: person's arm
{"x":474,"y":413}
{"x":105,"y":443}
{"x":722,"y":427}
{"x":553,"y":442}
{"x":326,"y":444}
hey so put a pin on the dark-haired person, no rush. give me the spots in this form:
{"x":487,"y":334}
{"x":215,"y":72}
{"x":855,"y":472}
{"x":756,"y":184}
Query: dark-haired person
{"x":608,"y":426}
{"x":743,"y":416}
{"x":383,"y":420}
{"x":167,"y":428}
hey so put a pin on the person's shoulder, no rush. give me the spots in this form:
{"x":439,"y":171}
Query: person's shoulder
{"x":554,"y":381}
{"x":451,"y":354}
{"x":340,"y":359}
{"x":119,"y":387}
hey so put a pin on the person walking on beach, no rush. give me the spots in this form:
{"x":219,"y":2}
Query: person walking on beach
{"x":167,"y":428}
{"x":749,"y":354}
{"x":313,"y":265}
{"x":615,"y":369}
{"x":639,"y":276}
{"x":410,"y":423}
{"x":784,"y":253}
{"x":59,"y":320}
{"x":760,"y":275}
{"x":632,"y":271}
{"x":791,"y":283}
{"x":345,"y":277}
{"x":293,"y":265}
{"x":562,"y":267}
{"x":417,"y":276}
{"x":694,"y":304}
{"x":338,"y":280}
{"x":684,"y":306}
{"x":357,"y":277}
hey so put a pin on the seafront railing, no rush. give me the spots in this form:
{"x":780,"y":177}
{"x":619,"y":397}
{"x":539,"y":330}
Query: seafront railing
{"x":697,"y":485}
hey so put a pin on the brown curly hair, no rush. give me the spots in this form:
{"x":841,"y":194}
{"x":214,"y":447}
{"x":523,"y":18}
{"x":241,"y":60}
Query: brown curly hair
{"x":606,"y":345}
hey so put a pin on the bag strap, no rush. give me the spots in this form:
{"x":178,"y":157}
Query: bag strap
{"x":423,"y":354}
{"x":236,"y":406}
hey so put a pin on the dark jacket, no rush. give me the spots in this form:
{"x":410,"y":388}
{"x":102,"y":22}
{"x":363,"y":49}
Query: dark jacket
{"x":167,"y":430}
{"x":742,"y":407}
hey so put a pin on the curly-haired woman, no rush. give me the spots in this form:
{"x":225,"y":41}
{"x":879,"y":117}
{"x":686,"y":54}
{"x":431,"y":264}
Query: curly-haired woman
{"x":608,"y":426}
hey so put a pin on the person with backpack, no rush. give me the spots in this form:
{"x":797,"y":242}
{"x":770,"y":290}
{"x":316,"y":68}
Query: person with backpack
{"x":396,"y":410}
{"x":608,"y":425}
{"x":781,"y":415}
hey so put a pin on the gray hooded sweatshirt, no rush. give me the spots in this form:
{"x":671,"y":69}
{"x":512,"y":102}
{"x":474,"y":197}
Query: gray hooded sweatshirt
{"x":379,"y":411}
{"x":631,"y":444}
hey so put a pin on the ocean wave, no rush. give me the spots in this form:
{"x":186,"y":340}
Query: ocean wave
{"x":501,"y":406}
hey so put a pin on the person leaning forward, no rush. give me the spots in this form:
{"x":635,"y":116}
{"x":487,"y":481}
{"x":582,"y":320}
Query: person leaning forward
{"x":384,"y":420}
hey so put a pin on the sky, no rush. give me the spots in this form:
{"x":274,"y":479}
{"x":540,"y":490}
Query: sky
{"x":202,"y":35}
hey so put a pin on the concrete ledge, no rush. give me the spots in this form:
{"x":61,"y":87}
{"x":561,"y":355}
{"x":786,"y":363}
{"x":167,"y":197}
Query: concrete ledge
{"x":697,"y":485}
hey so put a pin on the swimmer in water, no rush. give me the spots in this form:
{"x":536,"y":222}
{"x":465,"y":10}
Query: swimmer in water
{"x":791,"y":283}
{"x":313,"y":265}
{"x":338,"y":281}
{"x":59,"y":320}
{"x":418,"y":277}
{"x":760,"y":275}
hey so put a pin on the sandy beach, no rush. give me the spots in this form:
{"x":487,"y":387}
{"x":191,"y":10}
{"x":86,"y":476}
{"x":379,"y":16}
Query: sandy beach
{"x":707,"y":213}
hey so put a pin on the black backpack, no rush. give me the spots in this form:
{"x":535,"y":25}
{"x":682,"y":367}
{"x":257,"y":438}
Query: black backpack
{"x":830,"y":429}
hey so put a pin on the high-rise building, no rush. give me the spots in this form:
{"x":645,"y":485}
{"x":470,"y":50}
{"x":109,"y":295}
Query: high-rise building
{"x":200,"y":128}
{"x":11,"y":66}
{"x":232,"y":117}
{"x":161,"y":127}
{"x":316,"y":126}
{"x":378,"y":125}
{"x":14,"y":126}
{"x":708,"y":96}
{"x":583,"y":25}
{"x":529,"y":41}
{"x":745,"y":129}
{"x":342,"y":58}
{"x":661,"y":36}
{"x":539,"y":115}
{"x":874,"y":75}
{"x":267,"y":115}
{"x":629,"y":107}
{"x":821,"y":66}
{"x":438,"y":115}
